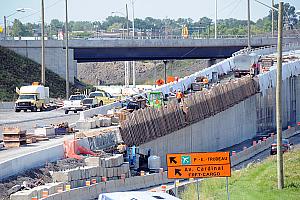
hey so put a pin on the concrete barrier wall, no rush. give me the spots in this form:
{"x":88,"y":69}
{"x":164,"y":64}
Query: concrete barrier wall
{"x":31,"y":160}
{"x":92,"y":192}
{"x":7,"y":105}
{"x":225,"y":129}
{"x":248,"y":153}
{"x":84,"y":115}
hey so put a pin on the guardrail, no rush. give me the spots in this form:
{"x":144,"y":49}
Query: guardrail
{"x":267,"y":49}
{"x":261,"y":146}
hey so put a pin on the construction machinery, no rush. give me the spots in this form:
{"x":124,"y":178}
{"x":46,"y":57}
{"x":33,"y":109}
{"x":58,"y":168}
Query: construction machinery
{"x":156,"y":99}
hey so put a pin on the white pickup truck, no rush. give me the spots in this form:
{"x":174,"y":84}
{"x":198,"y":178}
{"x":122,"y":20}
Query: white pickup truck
{"x":74,"y":103}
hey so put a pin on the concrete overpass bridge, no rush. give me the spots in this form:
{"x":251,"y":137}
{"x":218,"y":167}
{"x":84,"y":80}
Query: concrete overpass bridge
{"x":129,"y":49}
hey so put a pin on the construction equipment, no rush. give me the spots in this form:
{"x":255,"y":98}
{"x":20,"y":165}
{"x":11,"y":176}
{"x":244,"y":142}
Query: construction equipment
{"x":156,"y":99}
{"x":32,"y":97}
{"x":245,"y":64}
{"x":200,"y":83}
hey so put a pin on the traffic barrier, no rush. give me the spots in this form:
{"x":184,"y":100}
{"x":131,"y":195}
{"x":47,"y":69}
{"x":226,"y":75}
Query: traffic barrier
{"x":88,"y":183}
{"x":45,"y":194}
{"x":163,"y":188}
{"x":94,"y":181}
{"x":68,"y":187}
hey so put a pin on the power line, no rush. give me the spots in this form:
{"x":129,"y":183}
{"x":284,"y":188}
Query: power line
{"x":234,"y":8}
{"x":36,"y":12}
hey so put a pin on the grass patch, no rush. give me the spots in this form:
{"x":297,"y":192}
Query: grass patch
{"x":257,"y":181}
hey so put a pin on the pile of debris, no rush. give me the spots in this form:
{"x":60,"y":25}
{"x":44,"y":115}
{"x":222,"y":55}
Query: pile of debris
{"x":35,"y":177}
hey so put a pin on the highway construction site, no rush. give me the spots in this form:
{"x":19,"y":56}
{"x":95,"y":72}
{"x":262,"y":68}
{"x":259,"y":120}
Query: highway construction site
{"x":113,"y":149}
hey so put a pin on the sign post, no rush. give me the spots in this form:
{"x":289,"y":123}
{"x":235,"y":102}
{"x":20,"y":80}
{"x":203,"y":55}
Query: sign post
{"x":199,"y":165}
{"x":198,"y":192}
{"x":227,"y":190}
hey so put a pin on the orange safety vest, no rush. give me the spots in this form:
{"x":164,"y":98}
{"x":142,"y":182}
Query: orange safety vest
{"x":179,"y":95}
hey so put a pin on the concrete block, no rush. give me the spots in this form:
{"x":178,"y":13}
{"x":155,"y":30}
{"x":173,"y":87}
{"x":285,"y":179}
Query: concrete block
{"x":149,"y":180}
{"x":109,"y":172}
{"x":93,"y":191}
{"x":23,"y":195}
{"x":100,"y":171}
{"x":97,"y":122}
{"x":105,"y":121}
{"x":83,"y":125}
{"x":75,"y":194}
{"x":120,"y":185}
{"x":110,"y":186}
{"x":157,"y":179}
{"x":60,"y":176}
{"x":45,"y":131}
{"x":92,"y":161}
{"x":130,"y":184}
{"x":56,"y":196}
{"x":115,"y":171}
{"x":101,"y":187}
{"x":93,"y":171}
{"x":92,"y":123}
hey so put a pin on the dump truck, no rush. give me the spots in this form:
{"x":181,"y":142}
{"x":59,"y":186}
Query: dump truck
{"x":245,"y":64}
{"x":32,"y":97}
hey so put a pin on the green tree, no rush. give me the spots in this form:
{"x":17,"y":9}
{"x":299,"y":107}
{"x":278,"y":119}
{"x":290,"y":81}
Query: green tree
{"x":18,"y":29}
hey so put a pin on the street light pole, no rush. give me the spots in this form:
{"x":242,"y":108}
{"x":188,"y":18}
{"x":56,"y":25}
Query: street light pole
{"x":67,"y":53}
{"x":278,"y":102}
{"x":133,"y":31}
{"x":249,"y":26}
{"x":272,"y":10}
{"x":4,"y":27}
{"x":43,"y":76}
{"x":216,"y":16}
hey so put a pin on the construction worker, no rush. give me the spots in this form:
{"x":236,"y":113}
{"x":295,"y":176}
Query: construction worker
{"x":179,"y":96}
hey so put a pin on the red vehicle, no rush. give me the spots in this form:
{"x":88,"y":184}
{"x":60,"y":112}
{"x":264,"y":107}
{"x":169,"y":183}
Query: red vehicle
{"x":286,"y":146}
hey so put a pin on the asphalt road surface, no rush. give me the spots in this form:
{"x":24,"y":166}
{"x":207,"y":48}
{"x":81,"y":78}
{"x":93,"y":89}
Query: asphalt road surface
{"x":27,"y":120}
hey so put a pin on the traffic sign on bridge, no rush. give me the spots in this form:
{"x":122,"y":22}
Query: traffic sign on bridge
{"x":199,"y":165}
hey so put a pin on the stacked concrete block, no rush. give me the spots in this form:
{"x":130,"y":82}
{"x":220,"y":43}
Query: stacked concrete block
{"x":105,"y":121}
{"x":23,"y":195}
{"x":97,"y":122}
{"x":45,"y":131}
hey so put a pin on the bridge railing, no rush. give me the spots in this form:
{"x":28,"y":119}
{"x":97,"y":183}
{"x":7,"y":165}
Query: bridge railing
{"x":267,"y":49}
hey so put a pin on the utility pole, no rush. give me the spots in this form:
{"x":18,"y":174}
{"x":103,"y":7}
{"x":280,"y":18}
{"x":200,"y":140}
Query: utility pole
{"x":165,"y":62}
{"x":67,"y":53}
{"x":249,"y":26}
{"x":4,"y":27}
{"x":216,"y":16}
{"x":127,"y":21}
{"x":133,"y":31}
{"x":43,"y":71}
{"x":272,"y":10}
{"x":278,"y":101}
{"x":127,"y":66}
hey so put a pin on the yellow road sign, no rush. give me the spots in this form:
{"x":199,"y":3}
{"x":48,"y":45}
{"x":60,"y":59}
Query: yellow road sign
{"x":1,"y":29}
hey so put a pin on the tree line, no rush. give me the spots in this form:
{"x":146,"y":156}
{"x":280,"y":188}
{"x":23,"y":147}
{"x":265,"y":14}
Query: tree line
{"x":203,"y":27}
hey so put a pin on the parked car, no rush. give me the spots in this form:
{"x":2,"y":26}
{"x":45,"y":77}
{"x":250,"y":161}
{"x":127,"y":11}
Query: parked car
{"x":74,"y":103}
{"x":286,"y":146}
{"x":89,"y":103}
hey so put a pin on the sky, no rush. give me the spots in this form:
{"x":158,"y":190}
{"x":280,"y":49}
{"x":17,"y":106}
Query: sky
{"x":98,"y":10}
